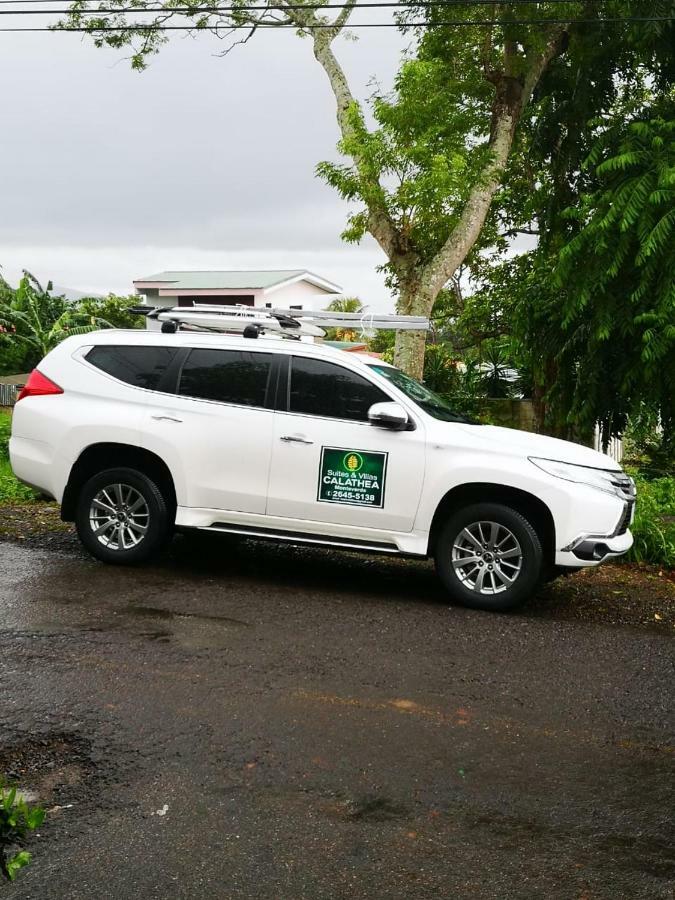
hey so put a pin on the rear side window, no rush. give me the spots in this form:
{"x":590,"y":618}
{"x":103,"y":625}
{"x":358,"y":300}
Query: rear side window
{"x":136,"y":365}
{"x":227,"y":376}
{"x":321,"y":388}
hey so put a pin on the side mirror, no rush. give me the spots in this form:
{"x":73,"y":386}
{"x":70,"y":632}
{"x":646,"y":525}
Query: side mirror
{"x":388,"y":415}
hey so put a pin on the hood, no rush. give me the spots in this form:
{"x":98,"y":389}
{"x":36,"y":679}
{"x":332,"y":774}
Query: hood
{"x":541,"y":446}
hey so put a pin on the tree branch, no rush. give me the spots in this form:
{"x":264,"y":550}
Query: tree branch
{"x":380,"y":223}
{"x":512,"y":94}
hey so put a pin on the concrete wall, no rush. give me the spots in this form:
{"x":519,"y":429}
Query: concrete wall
{"x":510,"y":413}
{"x":299,"y":294}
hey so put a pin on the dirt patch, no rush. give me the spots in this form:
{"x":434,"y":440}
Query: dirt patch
{"x":628,"y":594}
{"x":366,"y":808}
{"x":56,"y":767}
{"x":32,"y":521}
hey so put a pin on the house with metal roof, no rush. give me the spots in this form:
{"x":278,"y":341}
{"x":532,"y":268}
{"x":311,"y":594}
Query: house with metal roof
{"x":281,"y":288}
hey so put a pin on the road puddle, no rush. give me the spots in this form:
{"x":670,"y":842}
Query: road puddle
{"x":170,"y":615}
{"x":188,"y":630}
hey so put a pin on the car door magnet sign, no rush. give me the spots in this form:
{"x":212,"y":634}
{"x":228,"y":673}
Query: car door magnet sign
{"x":353,"y":477}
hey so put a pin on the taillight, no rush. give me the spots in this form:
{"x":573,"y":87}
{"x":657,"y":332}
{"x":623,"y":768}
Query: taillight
{"x":38,"y":385}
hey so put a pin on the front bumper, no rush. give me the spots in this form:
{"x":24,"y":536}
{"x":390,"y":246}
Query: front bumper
{"x":592,"y":549}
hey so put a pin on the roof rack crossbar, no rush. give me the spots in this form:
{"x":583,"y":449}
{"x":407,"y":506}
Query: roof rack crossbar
{"x":233,"y":317}
{"x":289,"y":323}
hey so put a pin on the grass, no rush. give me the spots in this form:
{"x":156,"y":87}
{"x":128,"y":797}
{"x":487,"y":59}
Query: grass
{"x":654,"y":526}
{"x":11,"y":490}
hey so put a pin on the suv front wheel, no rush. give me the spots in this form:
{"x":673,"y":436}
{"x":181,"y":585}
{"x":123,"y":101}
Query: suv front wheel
{"x":489,"y":557}
{"x":122,"y":516}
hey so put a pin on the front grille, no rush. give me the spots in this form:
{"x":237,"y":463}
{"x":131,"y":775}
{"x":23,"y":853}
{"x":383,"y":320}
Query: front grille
{"x":625,"y":485}
{"x":624,"y":521}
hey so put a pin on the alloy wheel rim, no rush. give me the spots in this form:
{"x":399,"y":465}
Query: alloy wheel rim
{"x":119,"y":516}
{"x":487,"y":557}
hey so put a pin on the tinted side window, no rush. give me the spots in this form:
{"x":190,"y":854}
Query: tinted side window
{"x":228,"y":376}
{"x":140,"y":366}
{"x":320,"y":388}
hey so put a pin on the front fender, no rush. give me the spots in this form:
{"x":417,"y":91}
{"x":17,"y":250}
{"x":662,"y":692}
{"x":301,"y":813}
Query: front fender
{"x":575,"y":508}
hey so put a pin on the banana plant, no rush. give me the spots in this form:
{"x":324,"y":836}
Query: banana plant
{"x":38,"y":320}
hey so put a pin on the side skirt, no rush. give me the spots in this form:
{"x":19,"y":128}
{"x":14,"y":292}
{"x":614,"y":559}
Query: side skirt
{"x":304,"y":538}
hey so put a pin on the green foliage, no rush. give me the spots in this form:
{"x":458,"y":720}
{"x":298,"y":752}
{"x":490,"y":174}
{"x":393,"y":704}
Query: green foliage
{"x":11,"y":490}
{"x":653,"y":533}
{"x":113,"y":310}
{"x":36,"y":321}
{"x":618,"y":277}
{"x":344,"y":305}
{"x":5,"y":428}
{"x":644,"y":445}
{"x":17,"y":819}
{"x":419,"y":154}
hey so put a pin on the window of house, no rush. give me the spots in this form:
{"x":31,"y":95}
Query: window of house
{"x":321,"y":388}
{"x":227,"y":376}
{"x":136,"y":365}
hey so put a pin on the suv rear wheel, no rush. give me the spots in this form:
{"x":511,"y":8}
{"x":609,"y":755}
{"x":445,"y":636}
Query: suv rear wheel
{"x":489,"y":557}
{"x":122,"y":516}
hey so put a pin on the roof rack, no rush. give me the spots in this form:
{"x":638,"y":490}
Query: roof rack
{"x":253,"y":322}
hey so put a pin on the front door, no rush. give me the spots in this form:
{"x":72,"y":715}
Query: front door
{"x":216,"y":432}
{"x":330,"y":465}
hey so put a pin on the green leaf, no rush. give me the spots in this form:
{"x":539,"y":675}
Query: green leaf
{"x":17,"y":862}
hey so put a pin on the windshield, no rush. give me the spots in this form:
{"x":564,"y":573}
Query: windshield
{"x":430,"y":402}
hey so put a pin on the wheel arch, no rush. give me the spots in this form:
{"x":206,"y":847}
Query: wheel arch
{"x":98,"y":457}
{"x":532,"y":507}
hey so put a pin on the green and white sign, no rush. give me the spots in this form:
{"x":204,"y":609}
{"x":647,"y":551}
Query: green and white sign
{"x":354,"y":477}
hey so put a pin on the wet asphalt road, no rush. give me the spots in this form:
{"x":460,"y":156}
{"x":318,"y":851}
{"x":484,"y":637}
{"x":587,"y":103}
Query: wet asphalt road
{"x":248,"y":721}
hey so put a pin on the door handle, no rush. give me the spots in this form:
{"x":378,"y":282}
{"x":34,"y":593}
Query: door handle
{"x":294,"y":439}
{"x":166,"y":419}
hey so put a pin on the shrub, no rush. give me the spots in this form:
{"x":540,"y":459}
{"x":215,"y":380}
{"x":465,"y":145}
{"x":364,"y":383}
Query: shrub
{"x":654,"y":525}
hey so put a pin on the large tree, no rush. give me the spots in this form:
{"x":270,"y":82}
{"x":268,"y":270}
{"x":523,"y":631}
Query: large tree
{"x":590,"y":176}
{"x":427,"y":173}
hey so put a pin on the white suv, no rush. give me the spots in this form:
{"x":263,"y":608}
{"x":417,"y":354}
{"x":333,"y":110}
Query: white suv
{"x":136,"y":433}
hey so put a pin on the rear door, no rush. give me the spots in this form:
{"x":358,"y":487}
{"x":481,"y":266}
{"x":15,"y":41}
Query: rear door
{"x":329,"y":464}
{"x":215,"y":431}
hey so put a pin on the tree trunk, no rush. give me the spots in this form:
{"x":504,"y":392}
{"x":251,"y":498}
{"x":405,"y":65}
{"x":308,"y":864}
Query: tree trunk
{"x":415,"y":299}
{"x":418,"y":290}
{"x":409,"y":352}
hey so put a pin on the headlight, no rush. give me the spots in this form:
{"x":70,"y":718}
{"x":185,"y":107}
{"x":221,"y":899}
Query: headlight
{"x":615,"y":483}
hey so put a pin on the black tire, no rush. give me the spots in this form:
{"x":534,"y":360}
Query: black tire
{"x":156,"y":522}
{"x":461,"y":580}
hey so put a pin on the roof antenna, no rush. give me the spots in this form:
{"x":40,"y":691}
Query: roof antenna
{"x":251,"y":331}
{"x":169,"y":327}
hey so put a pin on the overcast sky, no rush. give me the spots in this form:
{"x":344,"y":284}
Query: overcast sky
{"x":107,"y":175}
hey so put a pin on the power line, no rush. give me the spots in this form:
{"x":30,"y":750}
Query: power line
{"x":181,"y":10}
{"x":276,"y":25}
{"x":192,"y":10}
{"x":404,"y":4}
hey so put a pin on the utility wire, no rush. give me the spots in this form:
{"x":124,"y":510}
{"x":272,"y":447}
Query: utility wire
{"x":185,"y":10}
{"x":404,"y":4}
{"x":182,"y":10}
{"x":424,"y":24}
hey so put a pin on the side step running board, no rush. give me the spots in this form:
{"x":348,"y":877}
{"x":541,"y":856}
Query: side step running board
{"x":301,"y":537}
